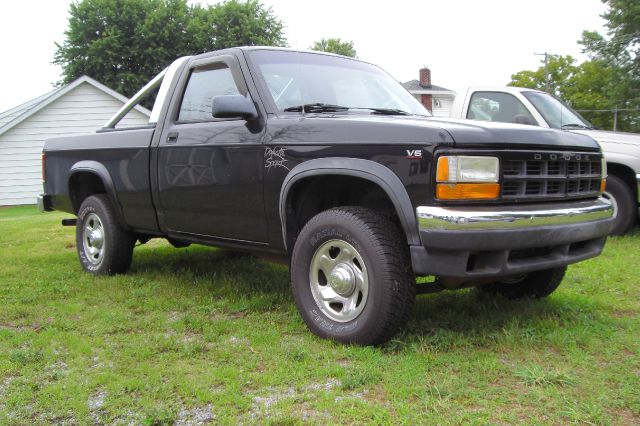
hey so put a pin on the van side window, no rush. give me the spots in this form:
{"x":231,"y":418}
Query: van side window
{"x":502,"y":107}
{"x":204,"y":84}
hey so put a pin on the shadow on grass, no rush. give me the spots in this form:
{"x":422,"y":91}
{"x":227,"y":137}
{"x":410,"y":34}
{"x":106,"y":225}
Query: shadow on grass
{"x":453,"y":314}
{"x":217,"y":269}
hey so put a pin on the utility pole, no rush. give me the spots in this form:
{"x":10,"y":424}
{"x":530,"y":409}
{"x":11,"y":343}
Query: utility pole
{"x":546,"y":69}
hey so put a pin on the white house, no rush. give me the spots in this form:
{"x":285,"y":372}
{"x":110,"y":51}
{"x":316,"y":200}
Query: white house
{"x":82,"y":106}
{"x":436,"y":99}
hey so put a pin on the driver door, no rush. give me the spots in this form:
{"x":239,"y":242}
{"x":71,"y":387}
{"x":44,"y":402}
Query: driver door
{"x":210,"y":171}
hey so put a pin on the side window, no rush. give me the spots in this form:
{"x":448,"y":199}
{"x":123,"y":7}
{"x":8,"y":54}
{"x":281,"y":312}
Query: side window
{"x":496,"y":106}
{"x":204,"y":84}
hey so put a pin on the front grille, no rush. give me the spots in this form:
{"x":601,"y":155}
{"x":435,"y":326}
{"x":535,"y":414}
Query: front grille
{"x":529,"y":176}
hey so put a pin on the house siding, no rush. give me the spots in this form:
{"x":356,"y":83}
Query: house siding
{"x":83,"y":110}
{"x":444,"y":107}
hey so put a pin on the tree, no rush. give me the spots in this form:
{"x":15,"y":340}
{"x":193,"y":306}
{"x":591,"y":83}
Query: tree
{"x":560,"y":69}
{"x":620,"y":51}
{"x":335,"y":45}
{"x":124,"y":43}
{"x":610,"y":80}
{"x":623,"y":29}
{"x":584,"y":87}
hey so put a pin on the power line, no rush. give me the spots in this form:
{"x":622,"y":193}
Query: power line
{"x":609,"y":110}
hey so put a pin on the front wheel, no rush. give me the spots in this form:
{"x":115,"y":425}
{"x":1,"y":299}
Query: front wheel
{"x":535,"y":285}
{"x":351,"y":276}
{"x":104,"y":247}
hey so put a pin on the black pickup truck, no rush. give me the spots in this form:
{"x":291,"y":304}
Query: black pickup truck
{"x":328,"y":162}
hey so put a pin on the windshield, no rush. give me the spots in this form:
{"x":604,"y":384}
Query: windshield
{"x":556,"y":113}
{"x":321,"y":83}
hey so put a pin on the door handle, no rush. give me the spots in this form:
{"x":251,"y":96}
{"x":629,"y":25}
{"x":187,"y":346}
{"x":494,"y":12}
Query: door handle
{"x":172,"y":137}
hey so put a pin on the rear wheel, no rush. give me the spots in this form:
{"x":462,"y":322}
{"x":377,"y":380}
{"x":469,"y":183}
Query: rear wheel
{"x":104,"y":247}
{"x":532,"y":285}
{"x":625,"y":203}
{"x":351,"y":276}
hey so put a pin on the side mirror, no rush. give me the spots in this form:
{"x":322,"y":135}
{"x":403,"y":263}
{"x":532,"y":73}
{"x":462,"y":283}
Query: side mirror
{"x":233,"y":106}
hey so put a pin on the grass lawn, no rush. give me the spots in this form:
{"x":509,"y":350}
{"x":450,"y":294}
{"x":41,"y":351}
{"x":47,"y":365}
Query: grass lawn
{"x":197,"y":334}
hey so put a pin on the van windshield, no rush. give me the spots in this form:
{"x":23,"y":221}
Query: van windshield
{"x":309,"y":82}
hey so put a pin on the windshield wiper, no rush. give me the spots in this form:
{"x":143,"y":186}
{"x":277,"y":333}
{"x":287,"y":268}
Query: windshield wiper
{"x":317,"y":107}
{"x":575,"y":126}
{"x":321,"y":107}
{"x":385,"y":111}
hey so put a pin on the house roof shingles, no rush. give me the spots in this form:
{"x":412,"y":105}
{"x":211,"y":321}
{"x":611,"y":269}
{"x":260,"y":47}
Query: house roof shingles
{"x":414,"y":85}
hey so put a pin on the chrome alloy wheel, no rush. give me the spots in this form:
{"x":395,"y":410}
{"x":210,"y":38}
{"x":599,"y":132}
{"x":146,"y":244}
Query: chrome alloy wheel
{"x":93,"y":239}
{"x":339,"y":280}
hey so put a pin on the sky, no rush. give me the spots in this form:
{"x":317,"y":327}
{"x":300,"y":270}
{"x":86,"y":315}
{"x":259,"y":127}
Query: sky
{"x":463,"y":42}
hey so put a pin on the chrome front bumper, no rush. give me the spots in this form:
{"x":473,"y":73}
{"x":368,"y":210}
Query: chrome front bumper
{"x":492,"y":241}
{"x":469,"y":218}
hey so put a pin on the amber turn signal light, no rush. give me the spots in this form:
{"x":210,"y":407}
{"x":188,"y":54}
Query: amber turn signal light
{"x":603,"y":185}
{"x":442,"y":174}
{"x":468,"y":191}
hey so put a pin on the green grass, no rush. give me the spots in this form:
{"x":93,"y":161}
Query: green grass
{"x":203,"y":334}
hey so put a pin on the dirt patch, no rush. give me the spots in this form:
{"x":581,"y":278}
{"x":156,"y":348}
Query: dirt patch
{"x":4,"y":385}
{"x":262,"y":405}
{"x":377,"y":396}
{"x":35,"y":327}
{"x":195,"y":416}
{"x":174,"y":316}
{"x":96,"y":401}
{"x":624,"y":416}
{"x":343,"y":362}
{"x":618,"y":313}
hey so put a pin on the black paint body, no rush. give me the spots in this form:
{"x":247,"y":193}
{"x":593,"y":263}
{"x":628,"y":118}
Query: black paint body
{"x":221,"y":182}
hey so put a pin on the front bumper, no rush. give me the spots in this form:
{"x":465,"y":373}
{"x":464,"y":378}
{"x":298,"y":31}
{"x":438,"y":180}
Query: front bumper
{"x":473,"y":242}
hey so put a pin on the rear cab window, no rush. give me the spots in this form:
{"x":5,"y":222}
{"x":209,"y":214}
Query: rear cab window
{"x":500,"y":107}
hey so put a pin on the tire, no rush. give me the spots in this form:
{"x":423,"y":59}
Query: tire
{"x":351,"y":276}
{"x":533,"y":285}
{"x":103,"y":246}
{"x":624,"y":199}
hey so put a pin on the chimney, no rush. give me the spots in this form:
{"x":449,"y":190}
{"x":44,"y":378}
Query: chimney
{"x":425,"y":77}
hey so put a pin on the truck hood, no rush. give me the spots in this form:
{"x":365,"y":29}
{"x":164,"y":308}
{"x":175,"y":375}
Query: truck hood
{"x":472,"y":132}
{"x":611,"y":137}
{"x":357,"y":128}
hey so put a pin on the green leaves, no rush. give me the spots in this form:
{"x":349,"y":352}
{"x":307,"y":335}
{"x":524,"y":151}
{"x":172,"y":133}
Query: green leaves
{"x":588,"y":86}
{"x":124,"y":43}
{"x":335,"y":45}
{"x":609,"y":81}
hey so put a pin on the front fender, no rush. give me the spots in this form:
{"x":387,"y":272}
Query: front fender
{"x":356,"y":167}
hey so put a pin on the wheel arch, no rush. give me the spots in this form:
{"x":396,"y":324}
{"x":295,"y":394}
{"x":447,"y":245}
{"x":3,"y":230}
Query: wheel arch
{"x":626,"y":174}
{"x":88,"y":178}
{"x":366,"y":170}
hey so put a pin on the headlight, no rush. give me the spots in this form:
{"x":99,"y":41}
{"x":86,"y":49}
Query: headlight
{"x":467,"y":177}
